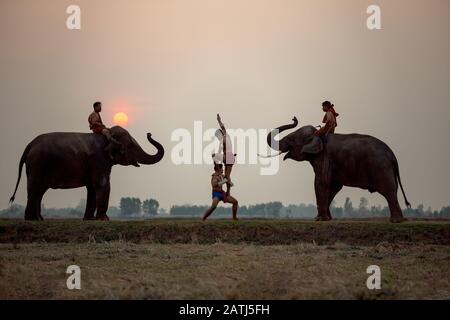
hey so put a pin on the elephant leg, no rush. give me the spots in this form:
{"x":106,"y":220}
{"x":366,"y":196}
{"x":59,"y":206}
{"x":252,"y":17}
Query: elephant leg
{"x":322,"y":197}
{"x":334,"y":189}
{"x":394,"y":208}
{"x":33,"y":209}
{"x":35,"y":194}
{"x":390,"y":193}
{"x":29,"y":210}
{"x":102,"y":199}
{"x":91,"y":204}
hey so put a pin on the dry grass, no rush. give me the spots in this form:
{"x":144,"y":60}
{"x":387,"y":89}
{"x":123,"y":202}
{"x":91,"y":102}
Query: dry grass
{"x":220,"y":259}
{"x":124,"y":270}
{"x":264,"y":232}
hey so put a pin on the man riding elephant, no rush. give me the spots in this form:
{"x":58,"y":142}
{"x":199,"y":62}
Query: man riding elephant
{"x":97,"y":127}
{"x":353,"y":160}
{"x":66,"y":160}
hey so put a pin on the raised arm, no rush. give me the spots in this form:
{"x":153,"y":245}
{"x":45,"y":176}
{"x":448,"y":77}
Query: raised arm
{"x":222,"y":126}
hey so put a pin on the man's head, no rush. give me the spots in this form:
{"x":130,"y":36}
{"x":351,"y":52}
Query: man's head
{"x":327,"y":105}
{"x":97,"y":106}
{"x":218,"y":168}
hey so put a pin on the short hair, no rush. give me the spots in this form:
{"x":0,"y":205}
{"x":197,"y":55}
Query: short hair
{"x":97,"y":103}
{"x":217,"y":166}
{"x":327,"y":104}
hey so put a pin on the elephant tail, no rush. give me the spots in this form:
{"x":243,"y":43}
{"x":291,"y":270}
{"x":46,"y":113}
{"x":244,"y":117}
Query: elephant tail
{"x":21,"y":163}
{"x":397,"y":176}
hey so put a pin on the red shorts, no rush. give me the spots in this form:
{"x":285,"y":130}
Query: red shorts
{"x":97,"y":130}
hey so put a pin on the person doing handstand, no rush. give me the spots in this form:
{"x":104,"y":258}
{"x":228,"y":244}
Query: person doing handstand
{"x":225,"y":154}
{"x":217,"y":181}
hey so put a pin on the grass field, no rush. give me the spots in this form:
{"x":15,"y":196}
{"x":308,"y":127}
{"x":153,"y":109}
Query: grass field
{"x":219,"y":259}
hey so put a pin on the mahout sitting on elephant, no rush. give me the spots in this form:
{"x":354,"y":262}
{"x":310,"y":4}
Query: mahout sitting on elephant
{"x":353,"y":160}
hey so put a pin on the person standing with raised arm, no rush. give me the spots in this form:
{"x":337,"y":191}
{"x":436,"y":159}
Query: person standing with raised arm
{"x":217,"y":181}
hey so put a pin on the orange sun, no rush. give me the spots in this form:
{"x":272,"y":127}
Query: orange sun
{"x":121,"y":119}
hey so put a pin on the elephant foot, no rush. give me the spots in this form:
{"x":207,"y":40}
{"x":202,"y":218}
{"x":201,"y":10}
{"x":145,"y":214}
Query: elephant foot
{"x":33,"y":218}
{"x":323,"y":218}
{"x":86,"y":218}
{"x":103,"y":218}
{"x":398,"y":219}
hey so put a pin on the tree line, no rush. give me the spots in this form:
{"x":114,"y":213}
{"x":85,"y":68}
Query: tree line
{"x":132,"y":207}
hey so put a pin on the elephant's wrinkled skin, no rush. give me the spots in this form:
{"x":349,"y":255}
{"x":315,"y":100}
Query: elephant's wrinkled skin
{"x":65,"y":160}
{"x":352,"y":160}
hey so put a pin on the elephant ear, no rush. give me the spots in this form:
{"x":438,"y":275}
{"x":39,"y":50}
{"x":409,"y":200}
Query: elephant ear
{"x":117,"y":148}
{"x":314,"y":146}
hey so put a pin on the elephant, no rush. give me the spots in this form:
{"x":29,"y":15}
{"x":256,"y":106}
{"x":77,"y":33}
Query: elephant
{"x":338,"y":160}
{"x":66,"y":160}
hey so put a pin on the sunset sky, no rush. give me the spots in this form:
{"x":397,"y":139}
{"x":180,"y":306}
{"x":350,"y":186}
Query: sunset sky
{"x":168,"y":63}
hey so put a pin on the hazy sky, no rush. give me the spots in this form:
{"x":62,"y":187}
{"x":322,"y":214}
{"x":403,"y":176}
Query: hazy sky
{"x":167,"y":63}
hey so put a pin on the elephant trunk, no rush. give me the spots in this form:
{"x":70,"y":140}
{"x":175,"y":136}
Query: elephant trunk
{"x":145,"y":158}
{"x":274,"y":144}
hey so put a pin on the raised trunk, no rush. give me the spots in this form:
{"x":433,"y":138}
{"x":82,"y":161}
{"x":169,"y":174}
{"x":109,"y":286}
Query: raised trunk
{"x":274,"y":144}
{"x":145,"y":158}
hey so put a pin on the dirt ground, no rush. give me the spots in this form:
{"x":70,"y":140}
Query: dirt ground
{"x":137,"y":268}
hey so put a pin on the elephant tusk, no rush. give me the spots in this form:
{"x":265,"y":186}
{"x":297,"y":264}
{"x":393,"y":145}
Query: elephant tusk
{"x":270,"y":156}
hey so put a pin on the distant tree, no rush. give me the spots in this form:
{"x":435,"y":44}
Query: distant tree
{"x":363,"y":203}
{"x":428,"y":213}
{"x":81,"y":205}
{"x":363,"y":207}
{"x":273,"y":209}
{"x":150,"y":207}
{"x":348,"y":207}
{"x":420,"y":213}
{"x":337,"y":212}
{"x":114,"y":211}
{"x":16,"y":211}
{"x":445,"y":213}
{"x":375,"y":211}
{"x":130,"y":206}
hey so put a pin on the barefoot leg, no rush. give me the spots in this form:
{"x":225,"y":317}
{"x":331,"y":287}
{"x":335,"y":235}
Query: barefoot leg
{"x":211,"y":209}
{"x":235,"y":204}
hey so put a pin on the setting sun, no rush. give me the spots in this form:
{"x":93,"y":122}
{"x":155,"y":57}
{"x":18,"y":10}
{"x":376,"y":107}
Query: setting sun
{"x":120,"y":119}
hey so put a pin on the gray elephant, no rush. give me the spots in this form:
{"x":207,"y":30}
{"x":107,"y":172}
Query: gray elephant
{"x":352,"y":160}
{"x":65,"y":160}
